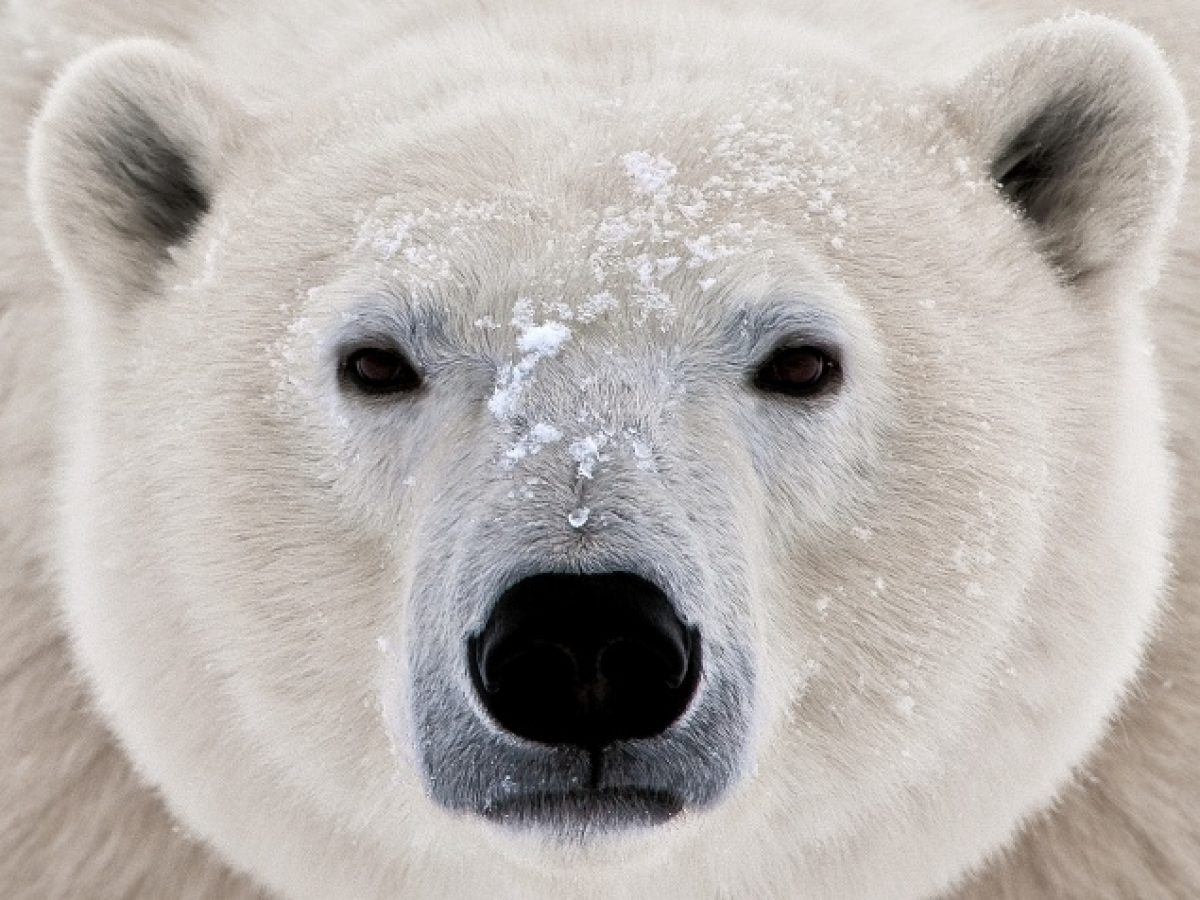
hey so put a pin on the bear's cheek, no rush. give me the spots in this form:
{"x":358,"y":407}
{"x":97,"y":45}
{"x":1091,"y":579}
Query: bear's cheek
{"x":888,"y":630}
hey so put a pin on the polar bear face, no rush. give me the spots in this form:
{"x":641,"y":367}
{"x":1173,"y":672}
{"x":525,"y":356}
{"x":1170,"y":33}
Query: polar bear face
{"x":614,"y":475}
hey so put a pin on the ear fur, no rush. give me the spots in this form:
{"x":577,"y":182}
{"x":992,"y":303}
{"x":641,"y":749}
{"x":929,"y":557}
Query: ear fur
{"x":124,"y":161}
{"x":1084,"y":132}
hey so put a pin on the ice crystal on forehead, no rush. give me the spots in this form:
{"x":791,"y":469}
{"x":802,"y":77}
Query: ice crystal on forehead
{"x":545,"y":339}
{"x":535,"y":343}
{"x":418,"y":250}
{"x":596,"y":305}
{"x":651,"y":174}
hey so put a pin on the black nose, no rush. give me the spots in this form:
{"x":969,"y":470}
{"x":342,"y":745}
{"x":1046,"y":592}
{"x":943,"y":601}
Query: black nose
{"x":585,"y":660}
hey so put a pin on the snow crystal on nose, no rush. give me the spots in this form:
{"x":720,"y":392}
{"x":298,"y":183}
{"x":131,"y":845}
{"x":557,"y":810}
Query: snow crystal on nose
{"x":587,"y":453}
{"x":531,"y":443}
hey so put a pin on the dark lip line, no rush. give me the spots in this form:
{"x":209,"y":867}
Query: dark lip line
{"x":652,"y":804}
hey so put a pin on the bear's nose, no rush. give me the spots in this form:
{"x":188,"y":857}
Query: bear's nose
{"x":585,"y":660}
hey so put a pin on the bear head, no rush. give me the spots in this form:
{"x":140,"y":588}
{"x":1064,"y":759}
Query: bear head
{"x":612,"y":467}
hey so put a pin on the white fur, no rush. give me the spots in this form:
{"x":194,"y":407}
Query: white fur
{"x":972,"y":674}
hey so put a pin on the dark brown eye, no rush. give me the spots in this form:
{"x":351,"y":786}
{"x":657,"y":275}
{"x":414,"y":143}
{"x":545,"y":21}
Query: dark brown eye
{"x":797,"y":372}
{"x":376,"y":371}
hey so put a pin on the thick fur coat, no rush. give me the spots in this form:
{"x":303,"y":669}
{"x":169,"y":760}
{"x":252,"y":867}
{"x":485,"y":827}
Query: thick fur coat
{"x":951,"y":609}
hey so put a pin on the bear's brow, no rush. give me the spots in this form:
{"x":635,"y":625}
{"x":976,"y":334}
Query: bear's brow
{"x":799,"y":317}
{"x":384,"y":320}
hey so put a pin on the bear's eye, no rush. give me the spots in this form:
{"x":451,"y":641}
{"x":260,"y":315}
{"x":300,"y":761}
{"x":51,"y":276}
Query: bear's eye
{"x":374,"y":370}
{"x":803,"y":371}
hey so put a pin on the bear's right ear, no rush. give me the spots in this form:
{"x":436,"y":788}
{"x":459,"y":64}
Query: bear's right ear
{"x":124,"y":159}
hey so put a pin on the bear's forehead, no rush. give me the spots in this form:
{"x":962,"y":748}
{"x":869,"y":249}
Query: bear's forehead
{"x":628,"y":219}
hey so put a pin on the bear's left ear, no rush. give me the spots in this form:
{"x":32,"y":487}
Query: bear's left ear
{"x":124,"y":159}
{"x":1083,"y":130}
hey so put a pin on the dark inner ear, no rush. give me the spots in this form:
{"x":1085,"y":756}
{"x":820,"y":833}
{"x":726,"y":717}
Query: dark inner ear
{"x":161,"y":198}
{"x":1026,"y":168}
{"x":1039,"y":168}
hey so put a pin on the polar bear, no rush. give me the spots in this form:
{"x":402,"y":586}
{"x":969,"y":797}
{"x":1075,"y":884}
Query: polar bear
{"x":682,"y":450}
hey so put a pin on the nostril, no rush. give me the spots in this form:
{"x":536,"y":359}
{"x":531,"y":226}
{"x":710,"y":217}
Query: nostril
{"x":637,"y":662}
{"x":585,"y":659}
{"x":538,"y":659}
